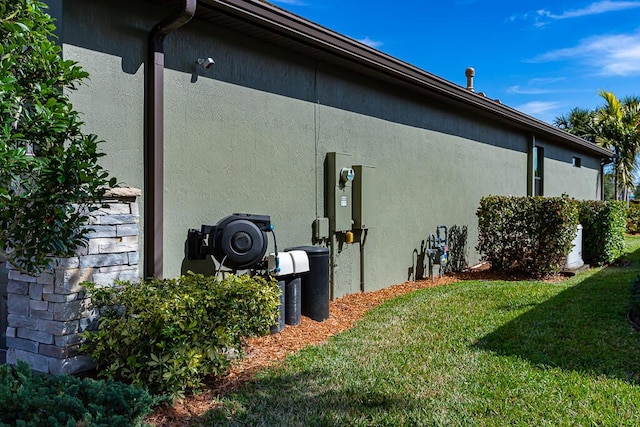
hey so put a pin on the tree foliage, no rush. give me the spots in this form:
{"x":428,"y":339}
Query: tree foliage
{"x":614,"y":125}
{"x":618,"y":128}
{"x":579,"y":122}
{"x":48,"y":167}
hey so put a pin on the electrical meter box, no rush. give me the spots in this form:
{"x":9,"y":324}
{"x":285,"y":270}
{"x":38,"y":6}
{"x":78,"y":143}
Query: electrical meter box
{"x":339,"y":176}
{"x":363,"y":196}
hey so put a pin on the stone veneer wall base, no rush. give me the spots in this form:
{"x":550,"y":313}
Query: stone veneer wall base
{"x":47,"y":313}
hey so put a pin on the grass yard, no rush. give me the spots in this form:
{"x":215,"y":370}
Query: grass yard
{"x":472,"y":353}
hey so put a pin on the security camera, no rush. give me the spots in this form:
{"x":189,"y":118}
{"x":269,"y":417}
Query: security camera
{"x":206,"y":63}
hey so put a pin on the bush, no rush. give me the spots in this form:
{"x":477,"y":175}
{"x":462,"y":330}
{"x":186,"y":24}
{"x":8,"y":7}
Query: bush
{"x":529,"y":235}
{"x":41,"y":400}
{"x":604,"y":225}
{"x":633,"y":219}
{"x":169,"y":334}
{"x":49,"y":171}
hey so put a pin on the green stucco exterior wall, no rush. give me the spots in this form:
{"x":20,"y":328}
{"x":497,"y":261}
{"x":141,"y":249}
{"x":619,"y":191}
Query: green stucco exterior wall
{"x":251,"y":134}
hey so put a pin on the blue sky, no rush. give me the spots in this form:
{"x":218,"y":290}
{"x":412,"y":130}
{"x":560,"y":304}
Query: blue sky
{"x":540,"y":57}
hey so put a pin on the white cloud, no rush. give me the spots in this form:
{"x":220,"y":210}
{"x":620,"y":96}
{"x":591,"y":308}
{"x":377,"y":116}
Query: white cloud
{"x":546,"y":111}
{"x":543,"y":16}
{"x":592,"y":9}
{"x":535,"y":86}
{"x":370,"y":42}
{"x":535,"y":108}
{"x":609,"y":55}
{"x":517,"y":89}
{"x":291,"y":2}
{"x":545,"y":80}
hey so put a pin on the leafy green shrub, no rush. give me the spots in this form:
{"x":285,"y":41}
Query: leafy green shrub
{"x":64,"y":400}
{"x":168,"y":334}
{"x":530,"y":235}
{"x":49,"y":171}
{"x":604,"y":225}
{"x":633,"y":218}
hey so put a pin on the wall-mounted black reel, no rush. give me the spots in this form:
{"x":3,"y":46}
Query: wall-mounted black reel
{"x":238,"y":241}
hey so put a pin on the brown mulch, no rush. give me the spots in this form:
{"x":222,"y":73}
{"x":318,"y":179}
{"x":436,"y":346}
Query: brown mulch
{"x":268,"y":350}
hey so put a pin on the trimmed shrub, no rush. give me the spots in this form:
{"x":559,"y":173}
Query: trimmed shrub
{"x":169,"y":334}
{"x":527,"y":235}
{"x":604,"y":225}
{"x":64,"y":400}
{"x":633,"y":218}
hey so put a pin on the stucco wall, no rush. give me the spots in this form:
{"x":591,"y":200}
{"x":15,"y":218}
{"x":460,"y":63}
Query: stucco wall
{"x":560,"y":176}
{"x":251,"y":135}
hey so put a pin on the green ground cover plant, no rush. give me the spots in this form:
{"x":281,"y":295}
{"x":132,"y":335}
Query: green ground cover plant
{"x":487,"y":353}
{"x":30,"y":399}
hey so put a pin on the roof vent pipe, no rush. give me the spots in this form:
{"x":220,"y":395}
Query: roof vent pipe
{"x":470,"y":73}
{"x":154,"y":138}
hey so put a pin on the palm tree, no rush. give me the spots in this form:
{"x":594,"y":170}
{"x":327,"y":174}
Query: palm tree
{"x":578,"y":122}
{"x":617,"y":127}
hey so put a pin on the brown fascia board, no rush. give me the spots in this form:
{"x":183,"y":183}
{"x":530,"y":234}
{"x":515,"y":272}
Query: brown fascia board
{"x":284,"y":25}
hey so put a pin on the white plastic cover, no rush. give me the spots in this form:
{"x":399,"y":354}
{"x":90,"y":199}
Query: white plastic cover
{"x":300,"y":261}
{"x":286,"y":263}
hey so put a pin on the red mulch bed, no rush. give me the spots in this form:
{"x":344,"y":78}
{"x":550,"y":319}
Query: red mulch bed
{"x":266,"y":351}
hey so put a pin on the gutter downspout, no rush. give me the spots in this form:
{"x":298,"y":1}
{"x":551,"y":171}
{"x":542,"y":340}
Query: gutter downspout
{"x":154,"y":139}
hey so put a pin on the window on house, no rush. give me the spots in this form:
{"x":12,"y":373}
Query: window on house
{"x":538,"y":170}
{"x":577,"y":162}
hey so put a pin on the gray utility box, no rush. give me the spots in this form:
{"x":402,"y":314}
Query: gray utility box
{"x":363,"y":196}
{"x":339,"y":177}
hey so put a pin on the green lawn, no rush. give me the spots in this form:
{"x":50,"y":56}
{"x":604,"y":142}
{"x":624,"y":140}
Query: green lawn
{"x":471,"y":353}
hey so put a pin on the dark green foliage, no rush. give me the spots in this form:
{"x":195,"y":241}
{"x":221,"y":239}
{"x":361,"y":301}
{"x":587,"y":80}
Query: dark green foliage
{"x":604,"y":225}
{"x":458,"y":248}
{"x":635,"y":299}
{"x":64,"y":400}
{"x":168,"y":334}
{"x":48,"y":167}
{"x":633,"y":218}
{"x":527,"y":235}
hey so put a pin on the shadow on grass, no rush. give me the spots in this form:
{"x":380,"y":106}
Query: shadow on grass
{"x":584,"y":328}
{"x":304,"y":399}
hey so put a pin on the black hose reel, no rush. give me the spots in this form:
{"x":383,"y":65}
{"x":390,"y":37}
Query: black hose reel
{"x":238,"y":241}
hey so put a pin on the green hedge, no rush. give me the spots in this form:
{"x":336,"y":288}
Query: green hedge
{"x":169,"y":334}
{"x":527,"y":235}
{"x":633,"y":218}
{"x":42,"y":400}
{"x":604,"y":226}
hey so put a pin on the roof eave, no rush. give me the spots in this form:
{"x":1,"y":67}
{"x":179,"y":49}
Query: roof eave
{"x":296,"y":28}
